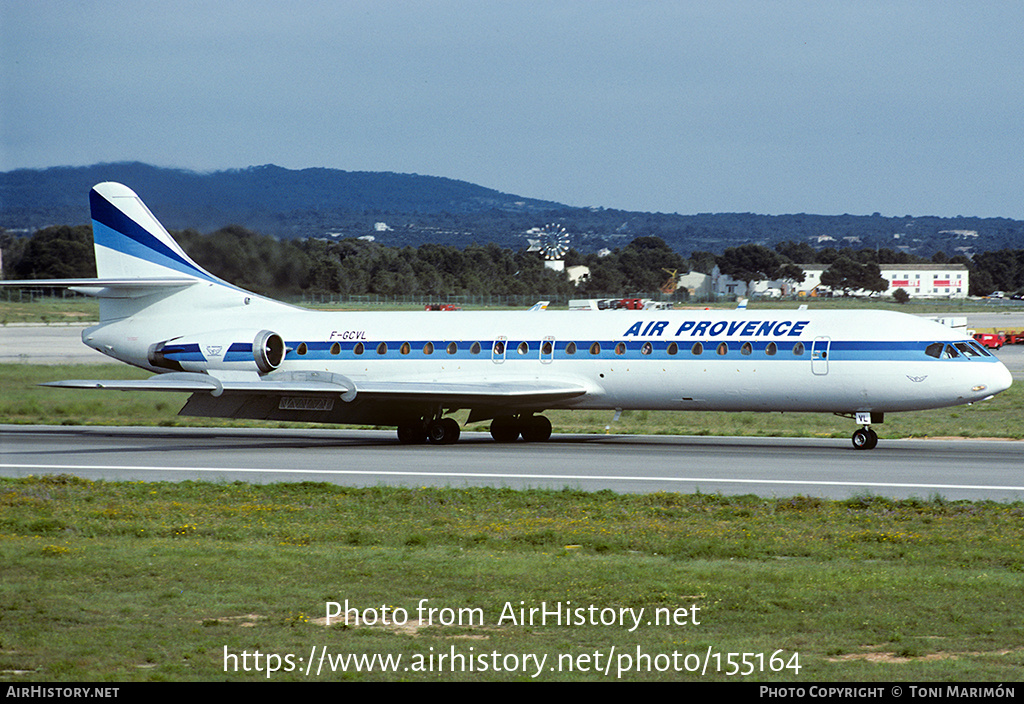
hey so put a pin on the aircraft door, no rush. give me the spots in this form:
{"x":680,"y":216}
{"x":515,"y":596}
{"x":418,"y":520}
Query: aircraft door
{"x":547,"y":350}
{"x":819,"y":355}
{"x":498,"y":350}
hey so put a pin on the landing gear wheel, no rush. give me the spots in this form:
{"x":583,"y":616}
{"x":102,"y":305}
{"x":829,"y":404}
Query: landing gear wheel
{"x":865,"y":439}
{"x":504,"y":429}
{"x":444,"y":431}
{"x":536,"y":429}
{"x":412,"y":434}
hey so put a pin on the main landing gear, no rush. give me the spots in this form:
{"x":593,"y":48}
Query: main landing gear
{"x":865,"y":438}
{"x":445,"y":431}
{"x":439,"y":431}
{"x":509,"y":428}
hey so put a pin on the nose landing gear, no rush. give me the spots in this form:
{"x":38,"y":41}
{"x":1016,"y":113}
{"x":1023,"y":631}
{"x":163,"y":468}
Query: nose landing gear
{"x":865,"y":438}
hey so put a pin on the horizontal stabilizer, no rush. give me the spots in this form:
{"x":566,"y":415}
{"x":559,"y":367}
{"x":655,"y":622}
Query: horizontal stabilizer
{"x":107,"y":288}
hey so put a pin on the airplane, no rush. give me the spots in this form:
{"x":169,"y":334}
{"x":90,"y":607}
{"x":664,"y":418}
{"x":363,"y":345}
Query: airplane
{"x":242,"y":355}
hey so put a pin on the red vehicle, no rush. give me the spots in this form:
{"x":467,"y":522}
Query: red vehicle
{"x":989,"y":339}
{"x":1014,"y":337}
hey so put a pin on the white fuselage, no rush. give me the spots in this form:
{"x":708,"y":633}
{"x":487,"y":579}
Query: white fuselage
{"x":779,"y":360}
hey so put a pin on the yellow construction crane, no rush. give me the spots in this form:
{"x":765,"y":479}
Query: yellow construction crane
{"x":669,"y":287}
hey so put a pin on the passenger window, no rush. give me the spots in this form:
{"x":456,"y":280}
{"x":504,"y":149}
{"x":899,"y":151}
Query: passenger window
{"x":546,"y":347}
{"x":673,"y":348}
{"x":406,"y":348}
{"x":452,"y":348}
{"x":570,"y":348}
{"x":524,"y":347}
{"x":382,"y":348}
{"x":747,"y":348}
{"x":798,"y":349}
{"x":358,"y":349}
{"x":646,"y":349}
{"x":771,"y":349}
{"x":697,"y":348}
{"x":302,"y":348}
{"x":620,"y":348}
{"x":723,"y":348}
{"x":428,"y":348}
{"x":335,"y":348}
{"x":474,"y":348}
{"x":595,"y":348}
{"x":499,"y":347}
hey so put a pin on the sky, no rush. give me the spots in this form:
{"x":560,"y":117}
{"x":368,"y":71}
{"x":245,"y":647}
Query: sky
{"x":771,"y":107}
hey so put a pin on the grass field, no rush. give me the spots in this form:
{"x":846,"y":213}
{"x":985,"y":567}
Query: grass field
{"x":143,"y":581}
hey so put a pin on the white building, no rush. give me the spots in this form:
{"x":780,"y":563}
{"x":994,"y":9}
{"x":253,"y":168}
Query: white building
{"x":698,"y":285}
{"x":725,"y":285}
{"x":918,"y":280}
{"x":577,"y":274}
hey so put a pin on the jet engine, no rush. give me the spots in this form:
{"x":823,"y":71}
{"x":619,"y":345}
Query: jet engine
{"x":239,"y":350}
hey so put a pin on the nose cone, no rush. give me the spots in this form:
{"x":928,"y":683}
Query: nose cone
{"x":1000,"y":378}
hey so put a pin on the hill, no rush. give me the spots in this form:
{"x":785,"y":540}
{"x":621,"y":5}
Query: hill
{"x":411,"y":209}
{"x":267,"y":198}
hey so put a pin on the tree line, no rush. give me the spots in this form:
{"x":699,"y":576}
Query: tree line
{"x":268,"y":266}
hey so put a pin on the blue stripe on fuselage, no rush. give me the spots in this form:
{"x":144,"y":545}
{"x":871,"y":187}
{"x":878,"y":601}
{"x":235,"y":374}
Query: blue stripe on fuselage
{"x":838,"y":350}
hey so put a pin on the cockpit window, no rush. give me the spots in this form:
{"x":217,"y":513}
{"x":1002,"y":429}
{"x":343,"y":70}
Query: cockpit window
{"x":934,"y":350}
{"x":951,"y":353}
{"x":966,"y":349}
{"x":984,"y":352}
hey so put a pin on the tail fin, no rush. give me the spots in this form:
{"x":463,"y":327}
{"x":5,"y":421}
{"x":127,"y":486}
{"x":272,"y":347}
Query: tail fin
{"x":131,"y":243}
{"x":138,"y":263}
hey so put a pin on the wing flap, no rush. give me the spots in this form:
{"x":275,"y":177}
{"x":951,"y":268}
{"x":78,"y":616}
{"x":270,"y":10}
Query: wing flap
{"x":471,"y":393}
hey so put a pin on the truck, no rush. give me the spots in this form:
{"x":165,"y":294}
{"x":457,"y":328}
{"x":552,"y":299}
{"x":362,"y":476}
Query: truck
{"x":992,"y":340}
{"x":608,"y":304}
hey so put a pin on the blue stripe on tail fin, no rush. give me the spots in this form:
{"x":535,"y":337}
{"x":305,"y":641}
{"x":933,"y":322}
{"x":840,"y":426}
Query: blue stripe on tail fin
{"x":130,"y":242}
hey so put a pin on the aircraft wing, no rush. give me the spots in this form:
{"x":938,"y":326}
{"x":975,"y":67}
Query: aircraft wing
{"x":464,"y":393}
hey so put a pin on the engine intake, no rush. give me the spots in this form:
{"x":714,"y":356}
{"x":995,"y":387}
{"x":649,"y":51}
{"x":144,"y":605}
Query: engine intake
{"x":268,"y":350}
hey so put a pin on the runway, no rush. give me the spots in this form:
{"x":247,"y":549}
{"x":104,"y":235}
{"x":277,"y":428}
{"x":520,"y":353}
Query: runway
{"x":769,"y":467}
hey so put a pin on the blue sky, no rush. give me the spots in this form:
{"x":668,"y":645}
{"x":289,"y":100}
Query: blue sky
{"x":818,"y":106}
